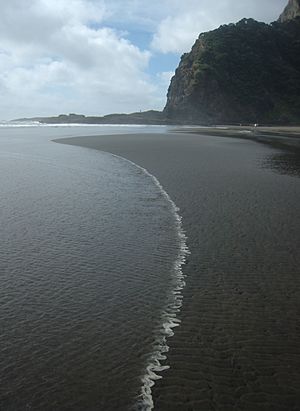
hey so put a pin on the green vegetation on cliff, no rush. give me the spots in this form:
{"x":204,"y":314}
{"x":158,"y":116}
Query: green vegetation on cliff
{"x":247,"y":72}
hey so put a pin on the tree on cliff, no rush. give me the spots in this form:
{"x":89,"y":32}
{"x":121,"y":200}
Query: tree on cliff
{"x":243,"y":72}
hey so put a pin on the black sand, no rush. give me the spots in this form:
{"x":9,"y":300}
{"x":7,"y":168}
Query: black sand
{"x":238,"y":347}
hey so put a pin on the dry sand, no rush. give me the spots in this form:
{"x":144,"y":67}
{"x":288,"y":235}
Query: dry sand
{"x":238,"y":346}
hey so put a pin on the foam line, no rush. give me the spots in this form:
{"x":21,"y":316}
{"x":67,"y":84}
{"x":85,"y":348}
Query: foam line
{"x":169,"y":318}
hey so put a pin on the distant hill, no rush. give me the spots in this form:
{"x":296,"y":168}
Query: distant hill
{"x":248,"y":72}
{"x":144,"y":117}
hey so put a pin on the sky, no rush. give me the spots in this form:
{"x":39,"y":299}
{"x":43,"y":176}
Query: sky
{"x":96,"y":57}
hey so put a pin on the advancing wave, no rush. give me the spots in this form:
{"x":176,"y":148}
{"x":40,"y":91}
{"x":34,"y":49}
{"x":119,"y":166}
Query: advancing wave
{"x":24,"y":124}
{"x":169,"y":318}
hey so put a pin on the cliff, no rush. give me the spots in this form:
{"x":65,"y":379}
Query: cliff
{"x":248,"y":72}
{"x":291,"y":11}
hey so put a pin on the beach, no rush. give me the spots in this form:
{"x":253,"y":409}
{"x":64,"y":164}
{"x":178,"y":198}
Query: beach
{"x":238,"y":344}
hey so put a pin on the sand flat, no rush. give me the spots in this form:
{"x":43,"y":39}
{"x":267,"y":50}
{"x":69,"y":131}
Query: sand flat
{"x":238,"y":346}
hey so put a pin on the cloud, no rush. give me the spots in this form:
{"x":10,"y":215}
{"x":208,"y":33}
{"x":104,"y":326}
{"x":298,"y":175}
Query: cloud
{"x":74,"y":55}
{"x":57,"y":56}
{"x":177,"y":32}
{"x":164,"y":77}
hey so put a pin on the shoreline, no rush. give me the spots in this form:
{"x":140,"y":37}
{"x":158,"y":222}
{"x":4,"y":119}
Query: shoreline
{"x":238,"y":343}
{"x":281,"y":136}
{"x":169,"y":316}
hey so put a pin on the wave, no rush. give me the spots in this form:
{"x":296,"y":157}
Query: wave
{"x":20,"y":124}
{"x":173,"y":305}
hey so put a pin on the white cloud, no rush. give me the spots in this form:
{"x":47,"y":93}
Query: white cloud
{"x":164,"y":77}
{"x":55,"y":56}
{"x":177,"y":32}
{"x":73,"y":56}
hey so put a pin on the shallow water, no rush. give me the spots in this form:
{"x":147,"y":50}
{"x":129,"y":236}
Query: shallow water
{"x":87,"y":253}
{"x":238,"y":345}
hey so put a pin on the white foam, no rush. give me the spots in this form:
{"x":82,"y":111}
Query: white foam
{"x":25,"y":124}
{"x":169,"y":318}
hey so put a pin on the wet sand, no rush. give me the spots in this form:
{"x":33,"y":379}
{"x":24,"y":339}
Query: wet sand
{"x":238,"y":346}
{"x":285,"y":137}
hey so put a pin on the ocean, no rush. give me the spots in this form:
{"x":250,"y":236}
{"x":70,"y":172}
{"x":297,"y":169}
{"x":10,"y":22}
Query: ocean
{"x":90,"y":265}
{"x":95,"y":275}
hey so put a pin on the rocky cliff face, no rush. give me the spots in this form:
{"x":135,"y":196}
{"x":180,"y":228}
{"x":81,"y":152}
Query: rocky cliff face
{"x":247,"y":72}
{"x":291,"y":11}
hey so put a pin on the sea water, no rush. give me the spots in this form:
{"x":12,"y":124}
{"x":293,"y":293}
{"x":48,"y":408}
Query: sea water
{"x":90,"y":265}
